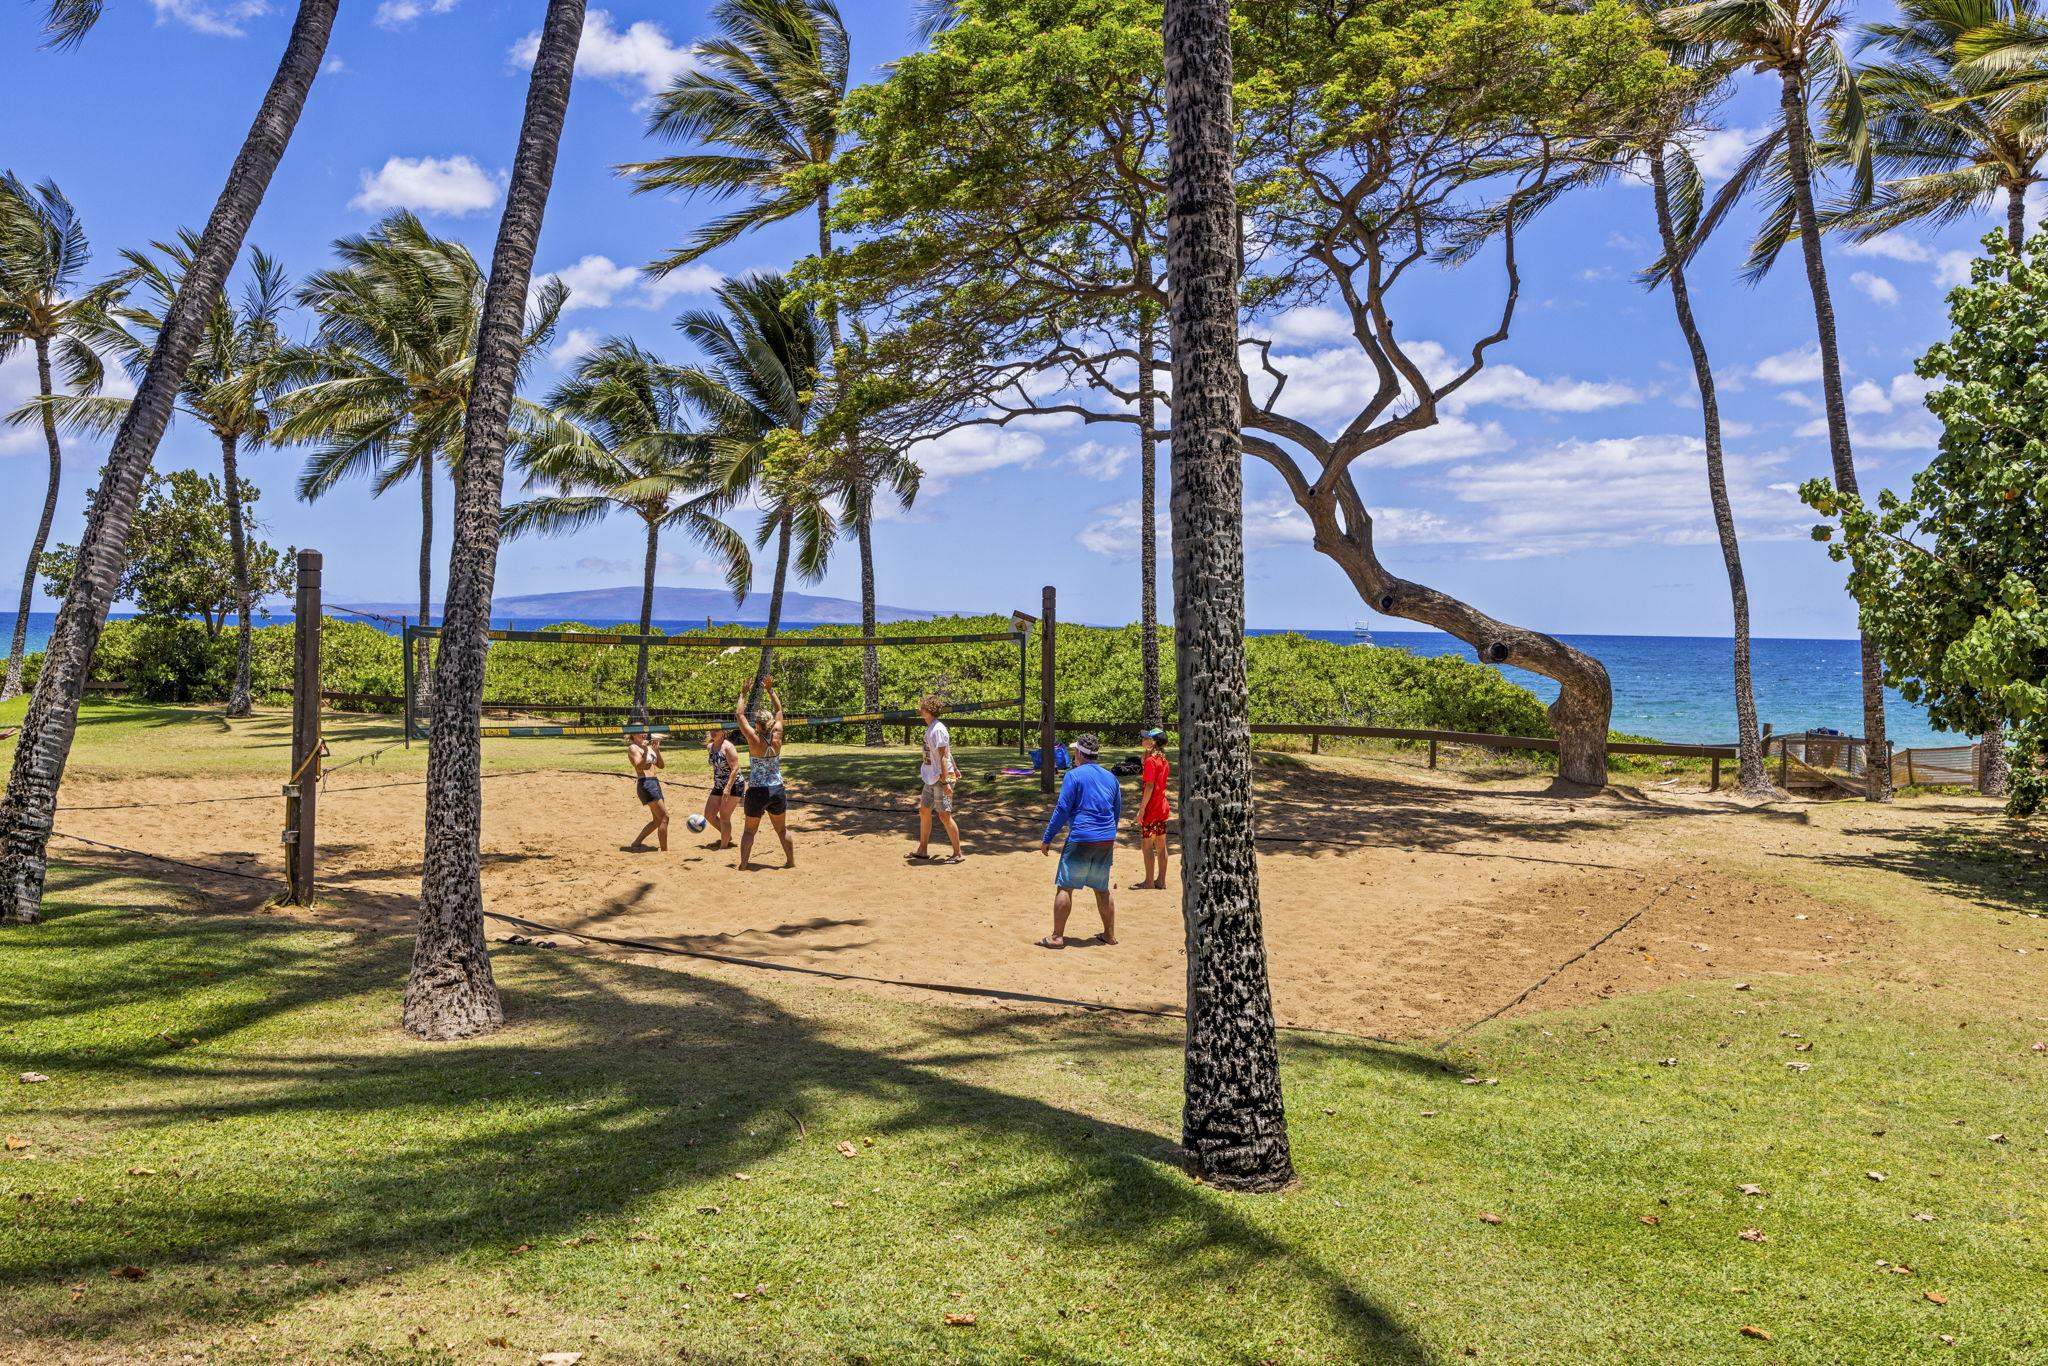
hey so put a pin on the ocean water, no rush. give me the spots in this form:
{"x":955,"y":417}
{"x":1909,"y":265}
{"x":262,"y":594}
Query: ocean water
{"x":1674,"y":688}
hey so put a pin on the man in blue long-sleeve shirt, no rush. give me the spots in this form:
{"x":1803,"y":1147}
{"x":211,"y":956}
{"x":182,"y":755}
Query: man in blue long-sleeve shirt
{"x":1091,"y":804}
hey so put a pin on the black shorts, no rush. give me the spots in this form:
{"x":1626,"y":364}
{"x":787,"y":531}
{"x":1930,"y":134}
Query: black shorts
{"x":718,"y":790}
{"x":772,"y":800}
{"x":649,"y":790}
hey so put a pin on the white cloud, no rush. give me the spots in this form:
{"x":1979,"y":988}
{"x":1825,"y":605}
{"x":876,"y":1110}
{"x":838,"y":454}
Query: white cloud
{"x":1334,"y":383}
{"x":641,"y":54}
{"x":695,"y":278}
{"x":220,"y":20}
{"x":1875,"y":287}
{"x":1790,"y":367}
{"x":975,"y":450}
{"x":1908,"y":426}
{"x":396,"y":14}
{"x":1113,"y":531}
{"x":1953,"y":268}
{"x":1894,"y":246}
{"x":18,"y":385}
{"x":1513,"y":387}
{"x":1452,"y":438}
{"x":334,"y":67}
{"x":1719,"y":152}
{"x":597,"y":281}
{"x":572,"y":346}
{"x":1103,"y":460}
{"x":454,"y":186}
{"x":1276,"y":520}
{"x":1305,"y":326}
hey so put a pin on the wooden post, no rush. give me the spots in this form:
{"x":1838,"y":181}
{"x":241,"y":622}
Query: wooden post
{"x":1910,"y":782}
{"x":1715,"y":785}
{"x":405,"y":645}
{"x":302,"y":792}
{"x":1432,"y":754}
{"x":1047,"y":621}
{"x":1315,"y":743}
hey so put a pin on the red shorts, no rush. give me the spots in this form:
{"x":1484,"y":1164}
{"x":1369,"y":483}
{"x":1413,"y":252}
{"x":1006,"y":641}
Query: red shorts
{"x":1153,"y":830}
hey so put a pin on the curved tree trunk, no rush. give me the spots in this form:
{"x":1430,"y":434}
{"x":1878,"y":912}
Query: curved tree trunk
{"x":12,"y":686}
{"x":423,"y":668}
{"x":767,"y":667}
{"x":646,"y":622}
{"x":1792,"y":108}
{"x":1751,"y":780}
{"x":1148,"y":534}
{"x":1233,"y":1122}
{"x":450,"y":993}
{"x":29,"y":809}
{"x":239,"y":703}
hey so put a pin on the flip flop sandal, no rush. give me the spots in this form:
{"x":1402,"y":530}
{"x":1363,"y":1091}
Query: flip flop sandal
{"x":1047,"y":943}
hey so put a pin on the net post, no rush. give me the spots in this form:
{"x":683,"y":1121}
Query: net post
{"x":302,"y":794}
{"x":405,"y":642}
{"x":1047,"y":619}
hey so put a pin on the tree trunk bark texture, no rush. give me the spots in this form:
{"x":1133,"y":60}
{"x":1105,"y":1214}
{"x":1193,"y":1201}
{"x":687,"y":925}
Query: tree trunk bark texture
{"x":239,"y":701}
{"x":29,"y":809}
{"x":1152,"y":708}
{"x":1234,"y":1124}
{"x":424,"y":667}
{"x":19,"y":647}
{"x":1792,"y":108}
{"x":646,"y":621}
{"x":1751,"y":780}
{"x":450,"y":993}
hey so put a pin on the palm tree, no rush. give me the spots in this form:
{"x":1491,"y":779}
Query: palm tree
{"x":622,"y":445}
{"x":43,"y":250}
{"x":28,"y":811}
{"x":760,"y":386}
{"x":227,"y":387}
{"x":384,"y":385}
{"x":1800,"y":41}
{"x":1951,"y":135}
{"x":1233,"y":1124}
{"x":763,"y":106}
{"x":450,"y":993}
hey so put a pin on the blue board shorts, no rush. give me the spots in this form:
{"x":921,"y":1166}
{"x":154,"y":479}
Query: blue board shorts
{"x":1085,"y":864}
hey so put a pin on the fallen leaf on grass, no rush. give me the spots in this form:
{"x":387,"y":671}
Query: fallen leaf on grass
{"x":15,"y":1143}
{"x":142,"y":1171}
{"x":1650,"y":1219}
{"x":560,"y":1358}
{"x":1750,"y":1330}
{"x":1936,"y":1297}
{"x":1875,"y":1176}
{"x":1946,"y":1339}
{"x":741,"y":1176}
{"x":1923,"y":1218}
{"x":1753,"y":1235}
{"x":131,"y":1273}
{"x":960,"y":1320}
{"x":31,"y":1078}
{"x":846,"y":1149}
{"x":497,"y":1342}
{"x":1998,"y":1138}
{"x":838,"y":1204}
{"x":1750,"y":1188}
{"x":707,"y":1209}
{"x":1799,"y":1066}
{"x":1490,"y":1218}
{"x":1478,"y":1081}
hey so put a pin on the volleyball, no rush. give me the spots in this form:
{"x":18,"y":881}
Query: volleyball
{"x":695,"y":822}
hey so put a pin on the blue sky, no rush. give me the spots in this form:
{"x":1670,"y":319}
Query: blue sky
{"x":1566,"y":492}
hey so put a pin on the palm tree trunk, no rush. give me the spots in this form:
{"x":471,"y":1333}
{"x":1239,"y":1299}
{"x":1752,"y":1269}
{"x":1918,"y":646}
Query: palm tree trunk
{"x":450,"y":993}
{"x":239,"y":703}
{"x":1150,"y":707}
{"x":29,"y":808}
{"x":766,"y":671}
{"x":1233,"y":1124}
{"x":424,"y":667}
{"x":12,"y":687}
{"x":1994,"y":769}
{"x":646,"y":621}
{"x":1751,"y":780}
{"x":861,"y":501}
{"x":1792,"y":108}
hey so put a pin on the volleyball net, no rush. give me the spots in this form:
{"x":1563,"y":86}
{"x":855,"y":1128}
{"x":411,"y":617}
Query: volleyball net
{"x":570,"y":681}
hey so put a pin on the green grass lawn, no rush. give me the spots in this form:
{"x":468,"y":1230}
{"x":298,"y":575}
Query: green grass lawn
{"x":238,"y":1155}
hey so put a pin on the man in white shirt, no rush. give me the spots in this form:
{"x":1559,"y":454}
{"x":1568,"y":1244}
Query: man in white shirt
{"x":940,"y":774}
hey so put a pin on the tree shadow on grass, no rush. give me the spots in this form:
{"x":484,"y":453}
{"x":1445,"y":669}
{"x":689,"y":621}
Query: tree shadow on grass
{"x":616,"y":1084}
{"x":1996,"y":863}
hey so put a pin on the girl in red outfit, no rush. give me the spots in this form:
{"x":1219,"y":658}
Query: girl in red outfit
{"x":1153,"y":814}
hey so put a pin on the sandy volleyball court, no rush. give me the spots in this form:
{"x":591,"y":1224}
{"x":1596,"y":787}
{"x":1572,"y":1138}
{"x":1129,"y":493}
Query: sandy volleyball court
{"x":1395,"y":906}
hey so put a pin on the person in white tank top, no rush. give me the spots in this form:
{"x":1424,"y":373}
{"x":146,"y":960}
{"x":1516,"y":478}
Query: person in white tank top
{"x":940,"y":775}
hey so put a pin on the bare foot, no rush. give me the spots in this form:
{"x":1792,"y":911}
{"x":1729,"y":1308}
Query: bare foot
{"x":1105,"y":939}
{"x":1052,"y":941}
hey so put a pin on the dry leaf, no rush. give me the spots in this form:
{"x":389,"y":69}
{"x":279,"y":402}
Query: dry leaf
{"x":1799,"y":1066}
{"x":1923,"y":1218}
{"x":1478,"y":1081}
{"x":131,"y":1273}
{"x":1998,"y":1138}
{"x":960,"y":1320}
{"x":1750,"y":1330}
{"x":741,"y":1176}
{"x":497,"y":1342}
{"x":1667,"y":1062}
{"x":142,"y":1171}
{"x":1748,"y":1188}
{"x":838,"y":1204}
{"x":1752,"y":1235}
{"x":1742,"y":986}
{"x":31,"y":1078}
{"x":1936,"y":1297}
{"x":1875,"y":1176}
{"x":1650,"y":1219}
{"x":1946,"y":1339}
{"x":15,"y":1143}
{"x":846,"y":1149}
{"x":560,"y":1358}
{"x":1802,"y":1048}
{"x":707,"y":1209}
{"x":1490,"y":1218}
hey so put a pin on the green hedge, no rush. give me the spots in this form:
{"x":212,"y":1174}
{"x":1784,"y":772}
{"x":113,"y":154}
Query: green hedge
{"x":1292,"y":678}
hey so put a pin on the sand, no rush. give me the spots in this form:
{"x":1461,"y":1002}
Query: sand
{"x":1397,"y":907}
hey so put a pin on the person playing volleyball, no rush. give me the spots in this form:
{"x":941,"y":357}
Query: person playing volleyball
{"x":765,"y":794}
{"x":1091,"y":804}
{"x":728,"y":783}
{"x":644,"y":753}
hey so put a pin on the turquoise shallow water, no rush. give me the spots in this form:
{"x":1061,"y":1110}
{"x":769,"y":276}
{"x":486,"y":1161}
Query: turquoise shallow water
{"x":1677,"y":688}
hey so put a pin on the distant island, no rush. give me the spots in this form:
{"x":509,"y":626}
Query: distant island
{"x":612,"y":606}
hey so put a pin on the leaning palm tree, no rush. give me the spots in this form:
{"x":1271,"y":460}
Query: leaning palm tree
{"x":43,"y":251}
{"x":622,"y":444}
{"x":228,"y":387}
{"x":759,"y":384}
{"x":761,"y":111}
{"x":1800,"y":40}
{"x":1951,"y":135}
{"x":1233,"y":1124}
{"x":383,"y":387}
{"x":29,"y":809}
{"x":450,"y":993}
